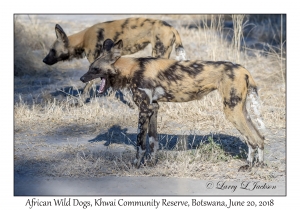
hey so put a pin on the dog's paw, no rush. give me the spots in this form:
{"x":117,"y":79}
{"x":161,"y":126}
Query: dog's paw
{"x":151,"y":160}
{"x":245,"y":168}
{"x":260,"y":164}
{"x":136,"y":163}
{"x":130,"y":105}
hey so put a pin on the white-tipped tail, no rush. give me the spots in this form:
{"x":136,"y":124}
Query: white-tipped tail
{"x":180,"y":54}
{"x":253,"y":107}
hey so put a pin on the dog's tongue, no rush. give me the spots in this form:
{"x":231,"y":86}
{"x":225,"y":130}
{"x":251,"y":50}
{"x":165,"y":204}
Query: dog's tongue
{"x":102,"y":85}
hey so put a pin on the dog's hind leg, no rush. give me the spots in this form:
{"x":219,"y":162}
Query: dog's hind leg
{"x":236,"y":113}
{"x":162,"y":46}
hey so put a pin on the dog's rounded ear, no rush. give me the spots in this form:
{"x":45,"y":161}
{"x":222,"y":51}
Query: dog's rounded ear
{"x":119,"y":44}
{"x":58,"y":27}
{"x":61,"y":35}
{"x":116,"y":51}
{"x":107,"y":45}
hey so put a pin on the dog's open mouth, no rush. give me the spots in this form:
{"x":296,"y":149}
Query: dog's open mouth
{"x":102,"y":85}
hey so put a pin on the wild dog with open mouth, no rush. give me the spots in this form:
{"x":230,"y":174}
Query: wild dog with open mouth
{"x":136,"y":34}
{"x":152,"y":80}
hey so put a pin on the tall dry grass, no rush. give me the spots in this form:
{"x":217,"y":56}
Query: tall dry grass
{"x":37,"y":112}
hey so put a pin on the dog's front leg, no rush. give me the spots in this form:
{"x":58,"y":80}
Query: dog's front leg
{"x":141,"y":137}
{"x":142,"y":100}
{"x":152,"y":132}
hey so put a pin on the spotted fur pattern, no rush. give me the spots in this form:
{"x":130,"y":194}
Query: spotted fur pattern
{"x":136,"y":34}
{"x":152,"y":80}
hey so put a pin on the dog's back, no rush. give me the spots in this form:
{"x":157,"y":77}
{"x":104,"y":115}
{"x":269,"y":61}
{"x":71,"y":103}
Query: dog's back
{"x":185,"y":80}
{"x":136,"y":34}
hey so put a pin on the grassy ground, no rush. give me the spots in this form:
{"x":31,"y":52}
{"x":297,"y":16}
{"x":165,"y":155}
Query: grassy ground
{"x":54,"y":137}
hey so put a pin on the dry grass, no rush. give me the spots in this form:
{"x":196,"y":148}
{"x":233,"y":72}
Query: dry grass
{"x":42,"y":119}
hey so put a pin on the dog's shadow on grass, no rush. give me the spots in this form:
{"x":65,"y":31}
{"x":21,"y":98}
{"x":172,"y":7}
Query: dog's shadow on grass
{"x":231,"y":145}
{"x":116,"y":135}
{"x":75,"y":92}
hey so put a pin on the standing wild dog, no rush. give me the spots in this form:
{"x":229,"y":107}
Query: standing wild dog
{"x":136,"y":34}
{"x":152,"y":80}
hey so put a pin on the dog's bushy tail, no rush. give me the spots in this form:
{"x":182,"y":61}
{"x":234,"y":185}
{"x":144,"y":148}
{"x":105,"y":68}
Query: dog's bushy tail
{"x":180,"y":52}
{"x":253,"y":104}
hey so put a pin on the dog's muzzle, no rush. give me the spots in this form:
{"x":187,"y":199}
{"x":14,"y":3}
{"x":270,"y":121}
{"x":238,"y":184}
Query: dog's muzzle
{"x":49,"y":61}
{"x":83,"y":79}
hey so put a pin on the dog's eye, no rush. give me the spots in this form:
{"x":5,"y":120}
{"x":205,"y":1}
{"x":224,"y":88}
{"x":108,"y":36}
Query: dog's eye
{"x":95,"y":70}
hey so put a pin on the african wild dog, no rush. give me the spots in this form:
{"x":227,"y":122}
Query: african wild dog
{"x":136,"y":34}
{"x":153,"y":80}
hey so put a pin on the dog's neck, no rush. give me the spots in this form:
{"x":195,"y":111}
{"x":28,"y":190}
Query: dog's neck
{"x":119,"y":82}
{"x":123,"y":67}
{"x":76,"y":45}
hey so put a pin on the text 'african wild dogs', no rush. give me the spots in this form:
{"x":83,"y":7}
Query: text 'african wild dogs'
{"x":152,"y":80}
